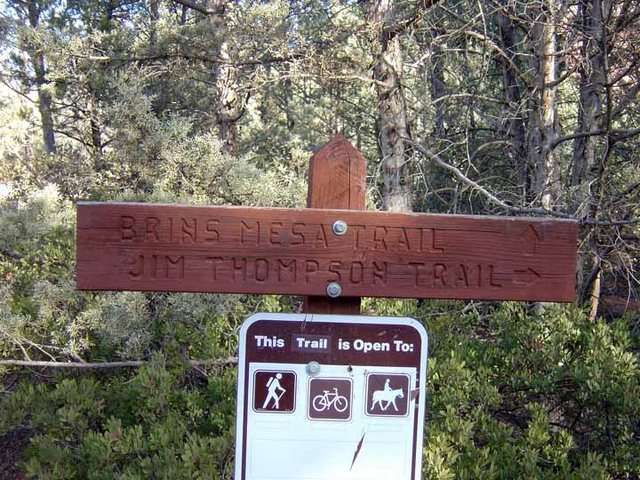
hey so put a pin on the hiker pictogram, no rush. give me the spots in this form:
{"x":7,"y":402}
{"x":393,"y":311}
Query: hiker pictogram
{"x":273,"y":386}
{"x":274,"y":391}
{"x":330,"y":398}
{"x":387,"y":394}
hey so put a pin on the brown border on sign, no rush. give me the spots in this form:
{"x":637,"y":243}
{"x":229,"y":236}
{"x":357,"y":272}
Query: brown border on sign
{"x":286,"y":324}
{"x":380,"y":333}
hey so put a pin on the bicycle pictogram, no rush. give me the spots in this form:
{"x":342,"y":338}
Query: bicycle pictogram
{"x":329,"y":400}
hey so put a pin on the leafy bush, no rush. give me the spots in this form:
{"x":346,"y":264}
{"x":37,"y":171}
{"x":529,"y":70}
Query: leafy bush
{"x":511,"y":394}
{"x":156,"y":423}
{"x":524,"y":396}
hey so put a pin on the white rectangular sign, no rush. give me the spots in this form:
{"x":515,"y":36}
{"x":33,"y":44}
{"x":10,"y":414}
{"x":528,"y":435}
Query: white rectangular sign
{"x":330,"y":397}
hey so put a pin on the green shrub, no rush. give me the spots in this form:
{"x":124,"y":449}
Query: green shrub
{"x":152,"y":424}
{"x":552,"y":396}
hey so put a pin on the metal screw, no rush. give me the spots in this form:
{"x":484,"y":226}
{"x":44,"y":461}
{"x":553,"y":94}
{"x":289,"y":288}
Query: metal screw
{"x":339,"y":227}
{"x":334,"y":289}
{"x":313,"y":368}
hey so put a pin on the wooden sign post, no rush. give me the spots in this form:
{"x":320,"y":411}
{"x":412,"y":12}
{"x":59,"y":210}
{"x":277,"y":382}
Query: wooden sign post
{"x":337,"y":179}
{"x":333,"y":253}
{"x":352,"y":377}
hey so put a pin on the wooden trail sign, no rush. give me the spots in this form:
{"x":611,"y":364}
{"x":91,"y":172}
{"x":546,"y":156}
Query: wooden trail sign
{"x":322,"y":253}
{"x":304,"y":251}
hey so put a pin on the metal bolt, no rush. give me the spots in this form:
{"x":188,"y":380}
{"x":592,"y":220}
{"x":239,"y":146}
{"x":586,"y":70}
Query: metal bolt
{"x":339,"y":227}
{"x":313,"y":368}
{"x":334,"y":289}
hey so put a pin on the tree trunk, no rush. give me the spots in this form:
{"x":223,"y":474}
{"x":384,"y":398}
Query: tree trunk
{"x":154,"y":18}
{"x":592,"y":81}
{"x":44,"y":97}
{"x":229,"y":106}
{"x":96,"y":133}
{"x":514,"y":128}
{"x":544,"y":113}
{"x":437,"y":83}
{"x":387,"y":73}
{"x":589,"y":161}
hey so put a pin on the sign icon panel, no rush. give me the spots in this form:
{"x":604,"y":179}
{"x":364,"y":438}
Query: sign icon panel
{"x":387,"y":394}
{"x":274,"y":391}
{"x":330,"y":398}
{"x":309,"y":389}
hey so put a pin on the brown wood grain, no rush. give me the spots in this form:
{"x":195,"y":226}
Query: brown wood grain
{"x":152,"y":247}
{"x":337,"y":179}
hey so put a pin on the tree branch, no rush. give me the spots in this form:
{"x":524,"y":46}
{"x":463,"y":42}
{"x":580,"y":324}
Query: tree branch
{"x":616,"y":135}
{"x":194,"y":6}
{"x":512,"y":208}
{"x":217,"y":362}
{"x":476,"y":186}
{"x":190,"y":57}
{"x":574,"y":136}
{"x":613,"y":223}
{"x":621,"y":135}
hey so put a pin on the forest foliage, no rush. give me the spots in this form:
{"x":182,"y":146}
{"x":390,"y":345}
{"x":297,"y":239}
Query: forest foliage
{"x":502,"y":107}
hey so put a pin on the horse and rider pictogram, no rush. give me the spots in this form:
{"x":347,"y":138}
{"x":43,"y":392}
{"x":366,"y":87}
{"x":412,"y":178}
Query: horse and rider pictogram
{"x":274,"y":391}
{"x":387,"y":394}
{"x":330,"y":398}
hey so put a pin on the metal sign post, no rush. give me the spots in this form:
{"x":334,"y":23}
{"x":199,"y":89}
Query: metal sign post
{"x":330,"y":397}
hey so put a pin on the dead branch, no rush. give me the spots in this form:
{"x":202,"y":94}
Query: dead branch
{"x":195,"y":6}
{"x":476,"y":186}
{"x":216,"y":362}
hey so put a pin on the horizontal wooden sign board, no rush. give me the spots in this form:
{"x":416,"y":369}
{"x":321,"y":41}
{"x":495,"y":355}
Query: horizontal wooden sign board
{"x":151,"y":247}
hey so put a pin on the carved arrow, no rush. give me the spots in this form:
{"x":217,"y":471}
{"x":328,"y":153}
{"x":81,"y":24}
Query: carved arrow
{"x":526,"y":277}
